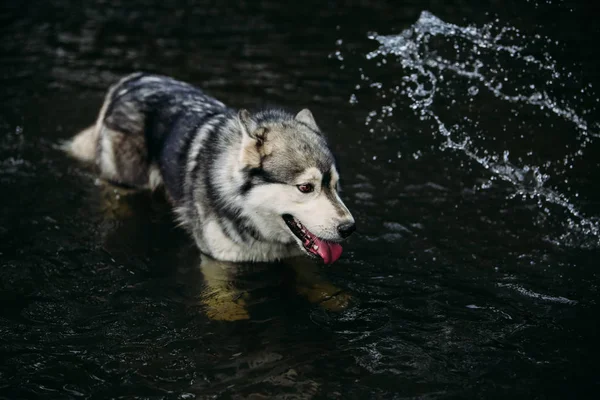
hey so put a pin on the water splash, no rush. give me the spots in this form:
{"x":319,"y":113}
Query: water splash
{"x":436,"y":57}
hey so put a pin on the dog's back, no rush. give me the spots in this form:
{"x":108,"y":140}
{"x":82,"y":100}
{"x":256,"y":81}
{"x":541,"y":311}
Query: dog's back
{"x":144,"y":131}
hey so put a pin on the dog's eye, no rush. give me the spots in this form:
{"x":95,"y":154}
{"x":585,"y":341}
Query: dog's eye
{"x":306,"y":187}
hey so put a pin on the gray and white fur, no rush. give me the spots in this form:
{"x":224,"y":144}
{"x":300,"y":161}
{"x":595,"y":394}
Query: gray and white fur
{"x":248,"y":187}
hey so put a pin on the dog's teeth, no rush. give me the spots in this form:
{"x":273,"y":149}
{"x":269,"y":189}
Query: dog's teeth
{"x":316,"y":247}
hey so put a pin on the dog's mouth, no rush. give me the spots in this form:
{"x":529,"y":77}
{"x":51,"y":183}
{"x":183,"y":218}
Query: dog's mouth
{"x":328,"y":251}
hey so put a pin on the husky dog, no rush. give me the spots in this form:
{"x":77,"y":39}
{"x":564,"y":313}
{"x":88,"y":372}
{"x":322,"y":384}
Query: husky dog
{"x":248,"y":187}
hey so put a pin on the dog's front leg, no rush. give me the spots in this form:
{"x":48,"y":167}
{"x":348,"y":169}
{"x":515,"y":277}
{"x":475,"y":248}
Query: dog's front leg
{"x":223,"y":302}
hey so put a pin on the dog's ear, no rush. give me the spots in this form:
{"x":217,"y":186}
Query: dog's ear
{"x":247,"y":125}
{"x":254,"y":148}
{"x":306,"y":117}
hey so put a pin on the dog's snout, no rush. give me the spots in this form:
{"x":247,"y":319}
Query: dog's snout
{"x":346,"y":229}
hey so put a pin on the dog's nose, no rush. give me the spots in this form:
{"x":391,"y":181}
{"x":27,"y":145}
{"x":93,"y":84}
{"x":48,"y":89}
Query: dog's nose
{"x":346,"y":229}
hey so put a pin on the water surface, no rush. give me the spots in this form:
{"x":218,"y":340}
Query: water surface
{"x":468,"y":141}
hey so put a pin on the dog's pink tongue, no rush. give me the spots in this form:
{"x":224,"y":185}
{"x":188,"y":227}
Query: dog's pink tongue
{"x":330,"y":252}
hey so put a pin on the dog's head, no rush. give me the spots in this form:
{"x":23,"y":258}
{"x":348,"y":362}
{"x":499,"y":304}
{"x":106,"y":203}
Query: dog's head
{"x":291,"y":182}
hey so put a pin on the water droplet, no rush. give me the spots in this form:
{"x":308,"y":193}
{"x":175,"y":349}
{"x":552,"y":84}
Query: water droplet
{"x":473,"y":90}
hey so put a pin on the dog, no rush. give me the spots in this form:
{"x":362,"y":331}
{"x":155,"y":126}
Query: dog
{"x":254,"y":187}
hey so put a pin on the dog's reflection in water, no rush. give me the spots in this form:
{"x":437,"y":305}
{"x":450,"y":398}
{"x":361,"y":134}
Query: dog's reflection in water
{"x":231,"y":289}
{"x":137,"y":227}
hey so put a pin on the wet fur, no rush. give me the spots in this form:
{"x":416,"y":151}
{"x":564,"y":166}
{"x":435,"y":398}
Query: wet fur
{"x":229,"y":175}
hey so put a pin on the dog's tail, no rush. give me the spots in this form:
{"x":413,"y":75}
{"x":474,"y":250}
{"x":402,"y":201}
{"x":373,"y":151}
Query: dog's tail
{"x":83,"y":145}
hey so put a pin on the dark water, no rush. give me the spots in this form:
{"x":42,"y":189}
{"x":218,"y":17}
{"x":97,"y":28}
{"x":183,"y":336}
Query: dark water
{"x":468,"y":141}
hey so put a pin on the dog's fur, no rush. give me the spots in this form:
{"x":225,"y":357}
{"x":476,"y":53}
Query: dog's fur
{"x":236,"y":180}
